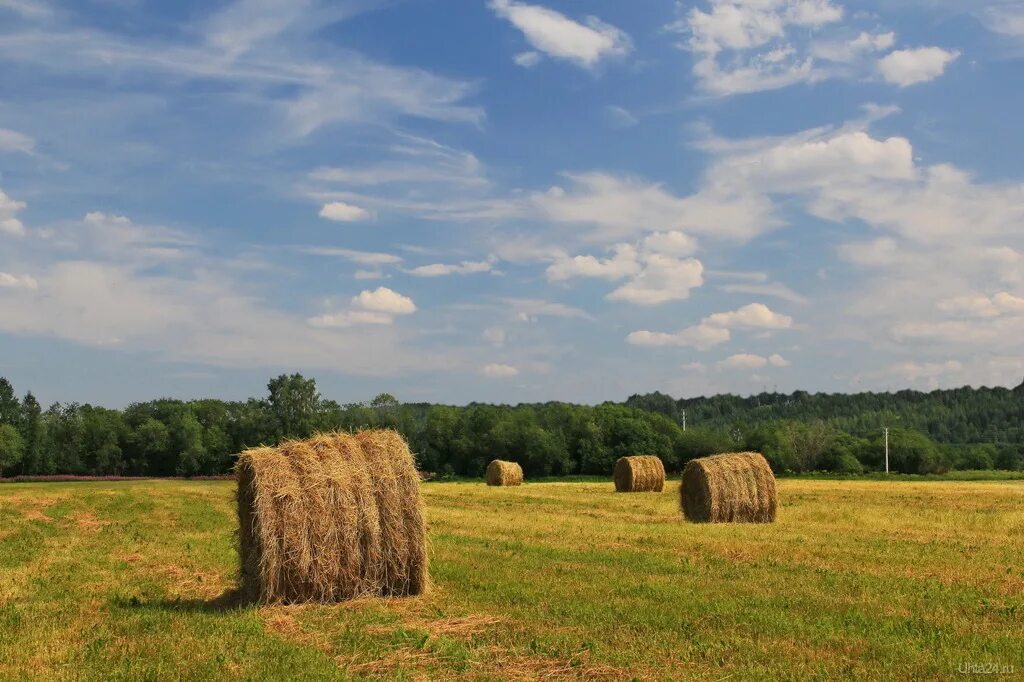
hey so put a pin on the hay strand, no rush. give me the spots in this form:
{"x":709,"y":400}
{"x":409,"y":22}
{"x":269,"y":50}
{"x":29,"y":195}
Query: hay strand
{"x":639,"y":474}
{"x":334,"y":517}
{"x":733,"y":487}
{"x":500,"y":472}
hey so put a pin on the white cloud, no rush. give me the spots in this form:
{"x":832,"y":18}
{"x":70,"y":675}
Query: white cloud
{"x":368,"y":274}
{"x":349,"y":318}
{"x":361,"y":257}
{"x":17,"y":281}
{"x":663,"y":279}
{"x":384,"y":300}
{"x":743,"y":46}
{"x":9,"y":223}
{"x":623,"y":263}
{"x":751,"y":316}
{"x":714,"y":329}
{"x":496,"y":370}
{"x":983,"y":306}
{"x":342,"y":212}
{"x":673,"y":243}
{"x":528,"y":309}
{"x":624,"y":207}
{"x":562,"y":38}
{"x":273,"y":59}
{"x":701,"y":337}
{"x":528,"y":59}
{"x":442,"y":269}
{"x":800,"y":163}
{"x":744,"y":361}
{"x":776,"y":360}
{"x":620,"y":117}
{"x":13,"y":141}
{"x":1007,"y":19}
{"x":411,"y":160}
{"x":907,"y":67}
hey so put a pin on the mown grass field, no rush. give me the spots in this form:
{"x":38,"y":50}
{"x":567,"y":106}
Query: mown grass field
{"x":857,"y":579}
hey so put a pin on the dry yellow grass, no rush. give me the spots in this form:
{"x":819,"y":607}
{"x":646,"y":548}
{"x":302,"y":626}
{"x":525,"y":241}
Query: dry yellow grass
{"x":854,"y":580}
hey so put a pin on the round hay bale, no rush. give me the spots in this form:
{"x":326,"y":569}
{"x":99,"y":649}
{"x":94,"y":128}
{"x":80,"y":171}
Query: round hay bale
{"x":500,"y":472}
{"x":334,"y":517}
{"x":729,"y":488}
{"x":639,"y":474}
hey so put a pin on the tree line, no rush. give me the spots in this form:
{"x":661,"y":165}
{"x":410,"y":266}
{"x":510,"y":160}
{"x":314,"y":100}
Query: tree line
{"x":799,"y":432}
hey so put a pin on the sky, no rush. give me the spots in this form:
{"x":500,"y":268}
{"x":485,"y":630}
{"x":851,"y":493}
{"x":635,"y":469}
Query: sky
{"x":505,"y":201}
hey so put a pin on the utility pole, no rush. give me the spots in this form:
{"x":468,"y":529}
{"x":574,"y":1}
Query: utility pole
{"x":684,"y":420}
{"x":886,"y":449}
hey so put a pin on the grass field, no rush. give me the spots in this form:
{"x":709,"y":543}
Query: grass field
{"x":857,"y":579}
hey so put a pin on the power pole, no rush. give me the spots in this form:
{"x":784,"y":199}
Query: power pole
{"x":684,"y":420}
{"x":886,"y":449}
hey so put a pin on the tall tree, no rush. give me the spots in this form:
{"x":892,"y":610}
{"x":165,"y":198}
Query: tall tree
{"x":31,"y":429}
{"x":294,"y":402}
{"x":11,"y":448}
{"x":10,"y":408}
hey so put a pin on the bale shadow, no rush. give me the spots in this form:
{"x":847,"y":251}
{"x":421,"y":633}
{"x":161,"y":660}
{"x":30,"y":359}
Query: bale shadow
{"x":230,"y":600}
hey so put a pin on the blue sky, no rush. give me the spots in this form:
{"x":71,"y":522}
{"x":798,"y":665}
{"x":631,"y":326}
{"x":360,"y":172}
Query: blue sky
{"x":509,"y":201}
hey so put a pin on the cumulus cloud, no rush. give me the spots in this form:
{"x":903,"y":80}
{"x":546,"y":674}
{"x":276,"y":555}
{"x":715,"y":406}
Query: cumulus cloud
{"x":715,"y":329}
{"x":656,"y":274}
{"x":558,"y":36}
{"x":701,"y":336}
{"x":752,"y":361}
{"x":907,"y":67}
{"x":341,"y":212}
{"x":9,"y":208}
{"x":663,"y":279}
{"x":384,"y":300}
{"x":741,"y":46}
{"x":623,"y":263}
{"x":497,"y":370}
{"x":743,"y":361}
{"x":751,"y":316}
{"x":749,"y":46}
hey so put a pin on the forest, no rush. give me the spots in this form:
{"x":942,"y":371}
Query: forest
{"x":933,"y":432}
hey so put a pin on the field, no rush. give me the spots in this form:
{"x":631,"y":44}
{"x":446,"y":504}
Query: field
{"x":857,"y":579}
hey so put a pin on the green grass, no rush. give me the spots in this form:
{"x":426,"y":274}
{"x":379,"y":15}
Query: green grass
{"x":857,"y":579}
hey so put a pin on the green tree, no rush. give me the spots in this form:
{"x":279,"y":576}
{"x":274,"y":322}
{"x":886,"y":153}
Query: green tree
{"x":10,"y":408}
{"x":151,"y":444}
{"x":31,"y":429}
{"x":294,"y":402}
{"x":187,"y":441}
{"x":12,"y":447}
